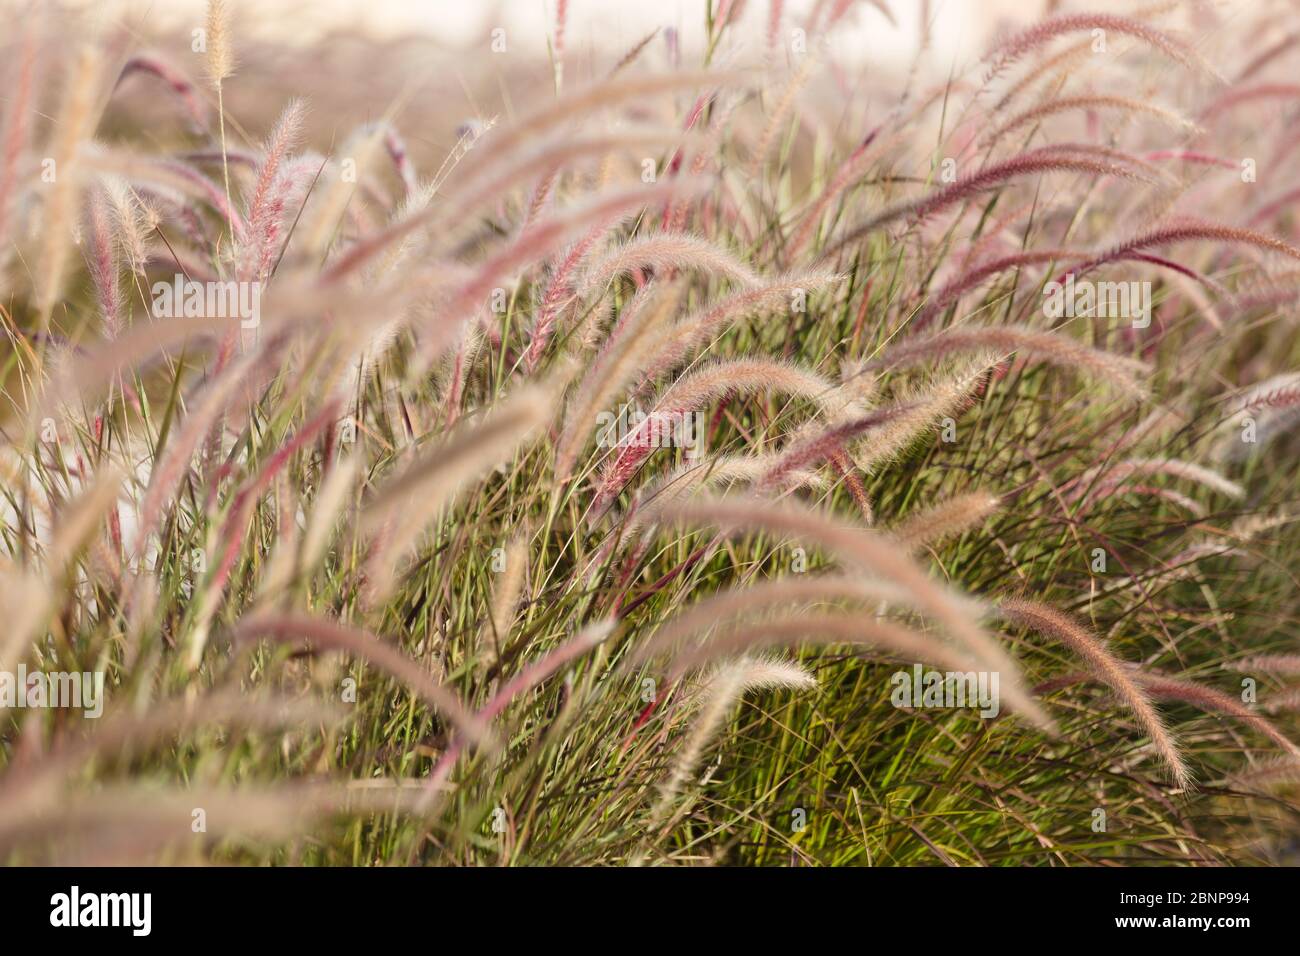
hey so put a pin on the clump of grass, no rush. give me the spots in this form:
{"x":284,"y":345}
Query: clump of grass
{"x":375,"y":580}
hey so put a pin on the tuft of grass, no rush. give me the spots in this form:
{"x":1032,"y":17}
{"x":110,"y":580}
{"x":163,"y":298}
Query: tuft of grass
{"x":372,"y":580}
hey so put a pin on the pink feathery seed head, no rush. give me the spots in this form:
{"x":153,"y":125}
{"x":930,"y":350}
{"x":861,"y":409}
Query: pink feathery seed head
{"x":840,"y":8}
{"x":17,"y":124}
{"x":1288,"y":664}
{"x":1099,"y":481}
{"x":674,"y":213}
{"x":1244,"y":94}
{"x":541,"y":194}
{"x":694,"y":330}
{"x":400,"y":156}
{"x":665,"y":251}
{"x":1059,"y":62}
{"x":284,"y":195}
{"x":1283,"y":397}
{"x":878,"y":556}
{"x":181,"y":86}
{"x":1045,"y":31}
{"x":1271,"y":208}
{"x":1050,"y":347}
{"x":1192,"y":156}
{"x":284,"y":137}
{"x":1168,"y":494}
{"x":561,"y":18}
{"x":826,"y":444}
{"x":774,"y":10}
{"x":1267,"y":56}
{"x":1034,"y":162}
{"x":526,"y":680}
{"x":945,"y":519}
{"x":607,"y":93}
{"x":1265,"y":295}
{"x":235,"y":530}
{"x":716,"y":380}
{"x":674,"y":165}
{"x":1164,"y":687}
{"x":102,"y":261}
{"x":492,"y":180}
{"x":174,"y":460}
{"x":543,"y":237}
{"x":1266,"y":776}
{"x":1186,"y":229}
{"x":542,"y":668}
{"x":969,"y":279}
{"x":212,"y":194}
{"x":1154,"y":173}
{"x":1108,"y":668}
{"x":330,"y":635}
{"x":1208,"y":281}
{"x":776,"y":115}
{"x":559,"y":291}
{"x":1122,"y":104}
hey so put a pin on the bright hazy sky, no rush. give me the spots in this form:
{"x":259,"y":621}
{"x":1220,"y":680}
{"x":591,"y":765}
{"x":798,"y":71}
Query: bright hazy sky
{"x":961,"y":27}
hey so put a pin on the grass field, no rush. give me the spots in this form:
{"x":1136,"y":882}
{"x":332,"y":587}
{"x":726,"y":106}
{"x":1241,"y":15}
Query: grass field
{"x":580,"y":475}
